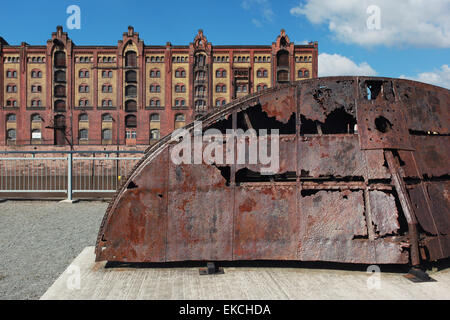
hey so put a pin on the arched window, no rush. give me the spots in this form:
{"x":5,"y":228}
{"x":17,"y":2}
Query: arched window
{"x":180,"y":121}
{"x":107,"y":117}
{"x":11,"y":103}
{"x":60,"y":59}
{"x":155,"y":73}
{"x":180,"y":102}
{"x":106,"y":103}
{"x":200,"y":91}
{"x":60,"y":91}
{"x":84,"y":73}
{"x":131,"y":91}
{"x":36,"y":73}
{"x":11,"y":118}
{"x":261,"y":87}
{"x":200,"y":75}
{"x":283,"y":58}
{"x":221,"y":73}
{"x":221,"y":88}
{"x":131,"y":106}
{"x":36,"y":103}
{"x":83,"y":117}
{"x":83,"y":103}
{"x":60,"y":106}
{"x":131,"y":121}
{"x":155,"y":117}
{"x":283,"y":76}
{"x":180,"y":73}
{"x":131,"y":76}
{"x":220,"y":102}
{"x":180,"y":88}
{"x":60,"y":76}
{"x":83,"y":134}
{"x":131,"y":59}
{"x":11,"y":135}
{"x":262,"y":73}
{"x":107,"y":134}
{"x":306,"y":73}
{"x":155,"y":88}
{"x":155,"y":102}
{"x":36,"y":118}
{"x":155,"y":134}
{"x":84,"y":88}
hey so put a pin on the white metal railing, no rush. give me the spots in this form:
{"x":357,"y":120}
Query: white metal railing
{"x":68,"y":174}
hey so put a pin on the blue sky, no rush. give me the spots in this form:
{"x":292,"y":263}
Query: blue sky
{"x":413,"y":41}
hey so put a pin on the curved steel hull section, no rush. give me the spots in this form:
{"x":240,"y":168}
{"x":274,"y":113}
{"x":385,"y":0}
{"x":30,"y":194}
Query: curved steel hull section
{"x":374,"y":193}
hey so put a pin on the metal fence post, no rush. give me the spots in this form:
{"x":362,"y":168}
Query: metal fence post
{"x":69,"y":179}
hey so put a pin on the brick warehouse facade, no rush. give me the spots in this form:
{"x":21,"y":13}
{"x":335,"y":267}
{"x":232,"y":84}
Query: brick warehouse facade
{"x":131,"y":94}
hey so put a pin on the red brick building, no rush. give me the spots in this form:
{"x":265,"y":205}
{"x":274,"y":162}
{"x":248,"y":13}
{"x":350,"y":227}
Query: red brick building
{"x":132,"y":93}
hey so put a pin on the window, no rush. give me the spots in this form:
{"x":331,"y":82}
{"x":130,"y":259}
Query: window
{"x":60,"y":91}
{"x":200,"y":76}
{"x":155,"y":134}
{"x":131,"y":76}
{"x":131,"y":59}
{"x":11,"y":135}
{"x":107,"y":88}
{"x":36,"y":74}
{"x":130,"y":106}
{"x":131,"y":121}
{"x":107,"y":74}
{"x":155,"y":73}
{"x":220,"y":102}
{"x":12,"y":88}
{"x":262,"y":73}
{"x":180,"y":88}
{"x":83,"y":117}
{"x":83,"y":134}
{"x":155,"y":88}
{"x":11,"y":118}
{"x":221,"y":73}
{"x":84,"y":73}
{"x":283,"y":76}
{"x":83,"y":103}
{"x":11,"y":103}
{"x":11,"y":74}
{"x":107,"y":103}
{"x":36,"y":89}
{"x":131,"y":91}
{"x":36,"y":103}
{"x":36,"y":134}
{"x":60,"y":76}
{"x":107,"y":118}
{"x":283,"y":58}
{"x":180,"y":103}
{"x":180,"y":73}
{"x":261,"y":87}
{"x":306,"y":73}
{"x":155,"y":118}
{"x":221,"y":88}
{"x":60,"y":106}
{"x":107,"y":134}
{"x":155,"y":102}
{"x":84,"y":88}
{"x":60,"y":59}
{"x":36,"y":118}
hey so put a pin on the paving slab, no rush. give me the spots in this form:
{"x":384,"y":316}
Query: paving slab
{"x":86,"y":280}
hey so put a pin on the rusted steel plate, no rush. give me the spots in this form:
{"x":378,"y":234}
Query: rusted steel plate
{"x":200,"y":217}
{"x":432,"y":155}
{"x":331,"y":155}
{"x":439,"y":193}
{"x":136,"y":232}
{"x":382,"y":125}
{"x":281,"y":104}
{"x":266,"y":223}
{"x":384,"y":213}
{"x":426,"y":106}
{"x":319,"y":97}
{"x":287,"y":150}
{"x":422,"y":210}
{"x":434,"y":248}
{"x":374,"y":165}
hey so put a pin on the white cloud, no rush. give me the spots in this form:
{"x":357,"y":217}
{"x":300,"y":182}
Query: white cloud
{"x":263,"y":9}
{"x":337,"y":65}
{"x":403,"y":22}
{"x":439,"y":77}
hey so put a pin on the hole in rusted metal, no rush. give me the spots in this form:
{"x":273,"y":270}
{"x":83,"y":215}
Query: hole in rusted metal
{"x":373,"y":89}
{"x":383,"y":125}
{"x":259,"y":120}
{"x":132,"y":185}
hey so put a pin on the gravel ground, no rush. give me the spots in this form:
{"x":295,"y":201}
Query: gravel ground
{"x":38,"y":242}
